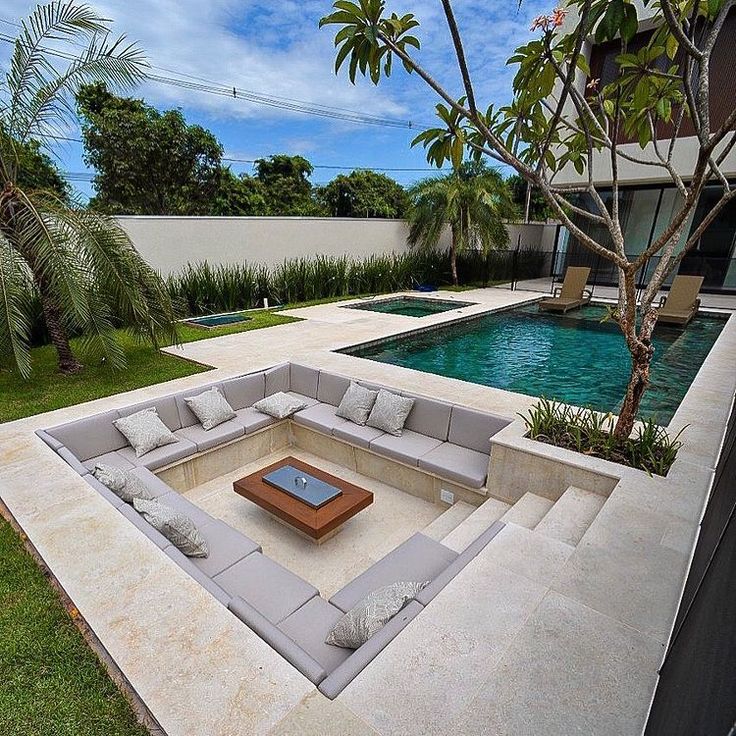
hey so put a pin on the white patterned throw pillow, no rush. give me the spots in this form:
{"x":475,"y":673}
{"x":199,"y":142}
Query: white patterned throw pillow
{"x":145,"y":431}
{"x":357,"y":403}
{"x":390,"y":411}
{"x":211,"y":408}
{"x":122,"y":483}
{"x":178,"y":528}
{"x":372,"y":614}
{"x":279,"y":405}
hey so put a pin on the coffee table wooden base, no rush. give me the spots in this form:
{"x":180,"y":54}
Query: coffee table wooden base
{"x":315,"y":524}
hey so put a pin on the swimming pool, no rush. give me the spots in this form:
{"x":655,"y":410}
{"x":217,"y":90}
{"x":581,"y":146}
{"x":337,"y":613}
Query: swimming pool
{"x":573,"y":358}
{"x":409,"y":306}
{"x":217,"y":320}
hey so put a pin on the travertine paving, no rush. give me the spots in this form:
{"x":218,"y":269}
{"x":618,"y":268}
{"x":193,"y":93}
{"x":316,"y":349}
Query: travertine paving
{"x":534,"y":636}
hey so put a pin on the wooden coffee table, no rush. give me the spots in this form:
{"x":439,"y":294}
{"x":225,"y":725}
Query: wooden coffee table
{"x":317,"y":524}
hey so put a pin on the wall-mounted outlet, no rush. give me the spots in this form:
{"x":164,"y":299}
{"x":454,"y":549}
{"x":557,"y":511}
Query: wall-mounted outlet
{"x":447,"y":496}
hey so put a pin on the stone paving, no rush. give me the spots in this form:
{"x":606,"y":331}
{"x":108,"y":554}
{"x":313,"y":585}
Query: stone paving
{"x":530,"y":638}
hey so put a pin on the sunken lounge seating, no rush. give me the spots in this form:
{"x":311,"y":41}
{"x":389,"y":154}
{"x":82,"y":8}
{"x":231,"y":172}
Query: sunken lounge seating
{"x":441,"y":439}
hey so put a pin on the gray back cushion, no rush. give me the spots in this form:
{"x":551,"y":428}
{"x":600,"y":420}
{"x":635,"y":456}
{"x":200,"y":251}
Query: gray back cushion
{"x":91,"y":436}
{"x":187,"y":417}
{"x":473,"y":429}
{"x":165,"y":407}
{"x":428,"y":417}
{"x":332,"y":388}
{"x":277,"y":379}
{"x":303,"y":380}
{"x":244,"y":391}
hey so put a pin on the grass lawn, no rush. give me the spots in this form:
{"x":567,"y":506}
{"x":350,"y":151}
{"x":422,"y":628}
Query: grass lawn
{"x":52,"y":683}
{"x":47,"y":389}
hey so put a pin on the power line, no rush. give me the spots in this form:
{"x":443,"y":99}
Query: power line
{"x":259,"y":98}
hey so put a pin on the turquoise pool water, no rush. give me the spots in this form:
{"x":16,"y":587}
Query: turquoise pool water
{"x":218,"y":320}
{"x":409,"y":306}
{"x":573,"y":358}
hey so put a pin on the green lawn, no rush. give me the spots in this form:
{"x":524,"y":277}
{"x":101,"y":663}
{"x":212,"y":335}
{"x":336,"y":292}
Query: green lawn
{"x":47,"y":389}
{"x":52,"y":683}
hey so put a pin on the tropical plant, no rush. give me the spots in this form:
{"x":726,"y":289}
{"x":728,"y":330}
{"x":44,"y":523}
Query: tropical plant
{"x":561,"y":118}
{"x":473,"y":199}
{"x":85,"y":271}
{"x":584,"y":430}
{"x":364,"y":194}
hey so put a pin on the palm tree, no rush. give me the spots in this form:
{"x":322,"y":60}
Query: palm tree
{"x":82,"y":266}
{"x":474,"y":200}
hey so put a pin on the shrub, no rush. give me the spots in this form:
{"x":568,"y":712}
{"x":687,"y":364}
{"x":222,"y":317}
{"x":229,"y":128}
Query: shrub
{"x":650,"y":449}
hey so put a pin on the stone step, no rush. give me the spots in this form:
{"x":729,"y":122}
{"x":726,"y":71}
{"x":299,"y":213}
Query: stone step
{"x":448,"y":520}
{"x":528,"y":511}
{"x":571,"y":516}
{"x":481,"y":518}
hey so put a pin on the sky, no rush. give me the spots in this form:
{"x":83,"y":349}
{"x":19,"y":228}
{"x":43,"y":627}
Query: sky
{"x":277,"y":49}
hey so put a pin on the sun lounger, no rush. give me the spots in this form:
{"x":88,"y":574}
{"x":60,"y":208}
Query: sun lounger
{"x":682,"y":303}
{"x":572,"y":294}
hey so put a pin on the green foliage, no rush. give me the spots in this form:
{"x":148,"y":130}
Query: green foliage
{"x":286,"y":186}
{"x":539,"y":209}
{"x":81,"y":265}
{"x":650,"y":449}
{"x":364,"y":194}
{"x":53,"y":682}
{"x":239,"y":196}
{"x":147,"y":162}
{"x":32,"y":168}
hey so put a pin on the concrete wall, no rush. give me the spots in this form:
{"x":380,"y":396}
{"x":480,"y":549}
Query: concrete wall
{"x":169,"y":243}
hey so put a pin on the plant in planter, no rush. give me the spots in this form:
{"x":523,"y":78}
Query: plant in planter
{"x":649,"y":448}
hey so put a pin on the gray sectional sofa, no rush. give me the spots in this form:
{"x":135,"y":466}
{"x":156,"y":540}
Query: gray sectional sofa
{"x":450,"y":441}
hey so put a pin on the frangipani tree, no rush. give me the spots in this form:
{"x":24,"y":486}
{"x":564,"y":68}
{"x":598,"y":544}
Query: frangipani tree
{"x":82,"y":265}
{"x":554,"y":122}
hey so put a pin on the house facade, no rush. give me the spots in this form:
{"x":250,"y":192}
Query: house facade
{"x":648,"y":198}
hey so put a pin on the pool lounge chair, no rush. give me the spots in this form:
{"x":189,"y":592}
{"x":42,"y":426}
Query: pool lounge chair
{"x":572,"y":294}
{"x":681,"y":303}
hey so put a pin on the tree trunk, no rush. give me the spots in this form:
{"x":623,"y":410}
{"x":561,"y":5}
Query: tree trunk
{"x":68,"y":364}
{"x":453,"y":258}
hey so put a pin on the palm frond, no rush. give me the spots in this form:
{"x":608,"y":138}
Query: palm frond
{"x":15,"y":325}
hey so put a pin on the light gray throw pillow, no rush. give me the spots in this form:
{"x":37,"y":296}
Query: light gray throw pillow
{"x":357,"y":403}
{"x":179,"y":529}
{"x":211,"y":408}
{"x":121,"y":482}
{"x":279,"y":405}
{"x":390,"y":411}
{"x":145,"y":431}
{"x":372,"y":614}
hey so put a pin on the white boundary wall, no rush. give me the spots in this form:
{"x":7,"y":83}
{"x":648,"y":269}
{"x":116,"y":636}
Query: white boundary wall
{"x":169,"y":243}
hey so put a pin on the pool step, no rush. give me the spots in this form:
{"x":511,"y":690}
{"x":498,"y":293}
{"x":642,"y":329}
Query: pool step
{"x":448,"y":520}
{"x":528,"y":511}
{"x":571,"y":515}
{"x":475,"y":524}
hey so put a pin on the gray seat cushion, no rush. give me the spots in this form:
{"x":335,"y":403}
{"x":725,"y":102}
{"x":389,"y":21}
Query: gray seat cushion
{"x":473,"y":429}
{"x":161,"y":455}
{"x":418,"y":559}
{"x":428,"y":417}
{"x":104,"y":491}
{"x":458,"y":464}
{"x":140,"y":523}
{"x":116,"y":459}
{"x":91,"y":436}
{"x":303,"y":380}
{"x":187,"y":564}
{"x":284,"y":645}
{"x":345,"y":673}
{"x":72,"y":461}
{"x":271,"y":589}
{"x":252,"y":420}
{"x":356,"y":434}
{"x":331,"y":388}
{"x":277,"y":379}
{"x":407,"y":448}
{"x":52,"y":442}
{"x":226,"y":547}
{"x":309,"y":626}
{"x":184,"y":506}
{"x":156,"y":487}
{"x":245,"y":390}
{"x":165,"y":408}
{"x":320,"y":417}
{"x":206,"y":439}
{"x":308,"y":400}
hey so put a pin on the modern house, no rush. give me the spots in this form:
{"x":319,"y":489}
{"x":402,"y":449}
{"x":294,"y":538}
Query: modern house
{"x":648,"y":197}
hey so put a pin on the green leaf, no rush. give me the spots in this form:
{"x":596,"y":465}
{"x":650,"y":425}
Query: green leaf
{"x":671,"y":46}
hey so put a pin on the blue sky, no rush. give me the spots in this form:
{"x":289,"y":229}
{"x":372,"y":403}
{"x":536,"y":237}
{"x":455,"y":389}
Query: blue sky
{"x":276,"y":48}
